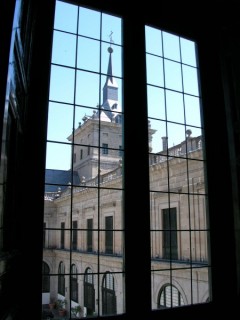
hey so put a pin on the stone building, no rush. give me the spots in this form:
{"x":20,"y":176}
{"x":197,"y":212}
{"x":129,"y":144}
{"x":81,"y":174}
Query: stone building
{"x":84,"y":227}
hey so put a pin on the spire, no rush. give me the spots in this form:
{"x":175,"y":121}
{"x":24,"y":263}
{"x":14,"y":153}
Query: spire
{"x":110,"y":50}
{"x":109,"y":71}
{"x":110,"y":89}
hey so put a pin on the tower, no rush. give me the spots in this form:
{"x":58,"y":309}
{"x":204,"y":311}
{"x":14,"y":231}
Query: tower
{"x":98,"y":140}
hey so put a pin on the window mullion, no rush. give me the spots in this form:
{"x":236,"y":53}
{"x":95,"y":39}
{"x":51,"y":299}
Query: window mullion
{"x":136,"y":180}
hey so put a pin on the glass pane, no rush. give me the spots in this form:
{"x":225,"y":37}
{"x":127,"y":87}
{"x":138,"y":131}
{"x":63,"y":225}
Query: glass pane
{"x":62,"y":84}
{"x":156,"y":102}
{"x":59,"y":121}
{"x":192,"y":110}
{"x":175,"y":109}
{"x":89,"y":23}
{"x":188,"y":52}
{"x":58,"y":156}
{"x":64,"y":48}
{"x":87,"y":82}
{"x":154,"y":70}
{"x":173,"y":75}
{"x":153,"y":46}
{"x":190,"y":80}
{"x":178,"y":199}
{"x":88,"y":54}
{"x":65,"y":17}
{"x":171,"y":46}
{"x":115,"y":34}
{"x":83,"y":247}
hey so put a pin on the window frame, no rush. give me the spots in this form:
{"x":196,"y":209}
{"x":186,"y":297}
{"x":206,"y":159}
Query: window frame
{"x":210,"y":48}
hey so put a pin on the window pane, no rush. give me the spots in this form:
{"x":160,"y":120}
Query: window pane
{"x":62,"y":84}
{"x":178,"y":198}
{"x":64,"y":48}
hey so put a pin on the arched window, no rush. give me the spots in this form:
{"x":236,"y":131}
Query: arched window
{"x":169,"y":297}
{"x":74,"y":283}
{"x":45,"y":277}
{"x":61,"y":279}
{"x":89,"y":291}
{"x":108,"y":295}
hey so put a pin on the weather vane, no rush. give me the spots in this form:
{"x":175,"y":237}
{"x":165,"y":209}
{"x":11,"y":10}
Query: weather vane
{"x":110,"y":49}
{"x":110,"y":37}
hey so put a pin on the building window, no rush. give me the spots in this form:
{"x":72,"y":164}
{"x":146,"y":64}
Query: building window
{"x":120,"y":151}
{"x":89,"y":291}
{"x":88,"y":150}
{"x":89,"y":235}
{"x":74,"y":283}
{"x":170,"y":246}
{"x":74,"y":235}
{"x":108,"y":294}
{"x":170,"y":297}
{"x":81,"y":154}
{"x":109,"y":234}
{"x":104,"y":148}
{"x":45,"y":278}
{"x":62,"y":239}
{"x":61,"y":279}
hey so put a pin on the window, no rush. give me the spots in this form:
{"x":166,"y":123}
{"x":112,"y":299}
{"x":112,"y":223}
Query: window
{"x":46,"y":278}
{"x":109,"y":235}
{"x":89,"y":292}
{"x":120,"y":151}
{"x":89,"y":235}
{"x":86,"y":67}
{"x":62,"y":243}
{"x":108,"y":293}
{"x":104,"y":148}
{"x":170,"y":297}
{"x":218,"y":51}
{"x":175,"y":197}
{"x":169,"y":240}
{"x":178,"y":196}
{"x":74,"y":283}
{"x":61,"y":279}
{"x":75,"y":235}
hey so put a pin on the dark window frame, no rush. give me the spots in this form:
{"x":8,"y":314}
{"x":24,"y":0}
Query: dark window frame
{"x":217,"y":44}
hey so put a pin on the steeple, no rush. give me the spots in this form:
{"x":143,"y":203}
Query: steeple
{"x":110,"y":89}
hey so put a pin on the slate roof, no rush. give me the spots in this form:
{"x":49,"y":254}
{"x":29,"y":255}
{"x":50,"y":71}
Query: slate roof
{"x":59,"y":178}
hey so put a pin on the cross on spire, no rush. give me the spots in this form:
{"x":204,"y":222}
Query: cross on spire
{"x":110,"y":37}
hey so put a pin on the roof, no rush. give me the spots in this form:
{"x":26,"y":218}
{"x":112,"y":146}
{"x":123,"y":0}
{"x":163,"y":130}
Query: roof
{"x":60,"y":178}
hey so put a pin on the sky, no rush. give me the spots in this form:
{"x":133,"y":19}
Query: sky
{"x":172,"y":79}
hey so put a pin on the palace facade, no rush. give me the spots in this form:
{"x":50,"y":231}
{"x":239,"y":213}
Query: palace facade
{"x":83,"y":250}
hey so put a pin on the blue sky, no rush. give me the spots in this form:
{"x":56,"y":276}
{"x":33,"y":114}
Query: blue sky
{"x":172,"y":79}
